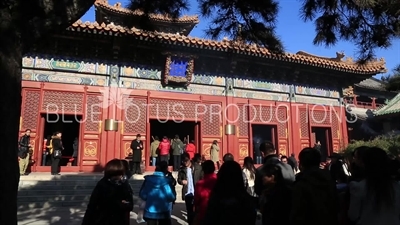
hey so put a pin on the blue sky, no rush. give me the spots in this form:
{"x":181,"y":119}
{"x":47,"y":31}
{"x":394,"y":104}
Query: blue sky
{"x":295,"y":34}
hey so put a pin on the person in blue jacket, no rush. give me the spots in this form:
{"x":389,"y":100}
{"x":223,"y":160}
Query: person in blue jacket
{"x":157,"y":193}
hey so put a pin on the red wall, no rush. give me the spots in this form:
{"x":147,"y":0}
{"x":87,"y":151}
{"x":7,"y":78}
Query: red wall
{"x":98,"y":146}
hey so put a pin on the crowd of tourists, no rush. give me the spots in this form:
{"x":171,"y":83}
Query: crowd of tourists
{"x":52,"y":152}
{"x":363,"y":190}
{"x":171,"y":149}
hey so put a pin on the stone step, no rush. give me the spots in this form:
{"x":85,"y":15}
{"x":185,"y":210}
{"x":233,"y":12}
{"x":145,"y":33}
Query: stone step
{"x":69,"y":210}
{"x":59,"y":204}
{"x":77,"y":176}
{"x":57,"y":192}
{"x":67,"y":190}
{"x":58,"y":187}
{"x":60,"y":184}
{"x":72,"y":176}
{"x":48,"y":204}
{"x":41,"y":190}
{"x":56,"y":183}
{"x":71,"y":201}
{"x":58,"y":198}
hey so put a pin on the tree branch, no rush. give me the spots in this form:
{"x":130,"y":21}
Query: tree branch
{"x":369,"y":24}
{"x":37,"y":18}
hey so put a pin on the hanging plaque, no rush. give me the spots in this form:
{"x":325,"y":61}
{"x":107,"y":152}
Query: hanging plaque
{"x":178,"y":69}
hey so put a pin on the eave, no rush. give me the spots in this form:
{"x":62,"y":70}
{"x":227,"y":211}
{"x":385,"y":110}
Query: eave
{"x":391,"y":108}
{"x":232,"y":47}
{"x":186,"y":23}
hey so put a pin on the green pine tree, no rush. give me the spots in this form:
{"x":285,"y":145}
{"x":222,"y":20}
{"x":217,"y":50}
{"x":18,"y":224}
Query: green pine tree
{"x":392,"y":81}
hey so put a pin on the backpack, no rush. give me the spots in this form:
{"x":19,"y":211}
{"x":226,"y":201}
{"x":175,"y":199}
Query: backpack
{"x":286,"y":169}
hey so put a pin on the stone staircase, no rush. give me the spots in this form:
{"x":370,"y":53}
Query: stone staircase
{"x":70,"y":190}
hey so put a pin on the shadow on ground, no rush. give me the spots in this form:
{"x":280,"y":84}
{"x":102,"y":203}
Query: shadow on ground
{"x":73,"y":216}
{"x":62,"y":200}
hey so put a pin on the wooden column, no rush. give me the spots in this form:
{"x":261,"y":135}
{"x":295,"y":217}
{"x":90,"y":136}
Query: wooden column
{"x":344,"y":139}
{"x":354,"y":99}
{"x":373,"y":102}
{"x":110,"y":114}
{"x":231,"y":140}
{"x":148,"y":126}
{"x":231,"y":112}
{"x":294,"y":131}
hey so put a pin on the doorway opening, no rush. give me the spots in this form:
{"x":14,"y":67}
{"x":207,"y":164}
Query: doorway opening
{"x":323,"y":136}
{"x":187,"y":131}
{"x":69,"y":126}
{"x":261,"y":133}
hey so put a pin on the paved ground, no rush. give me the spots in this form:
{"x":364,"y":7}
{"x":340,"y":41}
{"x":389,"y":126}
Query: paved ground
{"x":65,"y":216}
{"x":73,"y":216}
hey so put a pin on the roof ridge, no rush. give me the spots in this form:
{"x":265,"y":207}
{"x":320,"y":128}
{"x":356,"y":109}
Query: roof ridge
{"x":373,"y":67}
{"x":395,"y":98}
{"x":161,"y":17}
{"x":387,"y":108}
{"x":376,"y":79}
{"x":375,"y":85}
{"x":380,"y":107}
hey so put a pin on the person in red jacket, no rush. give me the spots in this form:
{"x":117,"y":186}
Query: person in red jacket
{"x":164,"y":148}
{"x":191,"y":149}
{"x":203,"y":190}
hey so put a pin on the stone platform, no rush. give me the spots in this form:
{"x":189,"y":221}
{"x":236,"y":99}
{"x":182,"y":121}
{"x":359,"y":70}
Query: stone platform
{"x":61,"y":200}
{"x":46,"y":199}
{"x":74,"y":215}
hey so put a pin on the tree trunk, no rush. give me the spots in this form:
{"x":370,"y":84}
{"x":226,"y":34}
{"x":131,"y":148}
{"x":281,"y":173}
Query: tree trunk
{"x":10,"y":109}
{"x":22,"y":23}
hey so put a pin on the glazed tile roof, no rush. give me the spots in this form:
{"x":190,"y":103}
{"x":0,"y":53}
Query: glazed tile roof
{"x":361,"y":113}
{"x":372,"y":83}
{"x":370,"y":68}
{"x":393,"y":106}
{"x":155,"y":17}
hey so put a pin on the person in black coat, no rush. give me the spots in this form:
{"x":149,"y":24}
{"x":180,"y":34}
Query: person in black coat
{"x":229,"y":202}
{"x":112,"y":198}
{"x":137,"y":148}
{"x":276,"y":197}
{"x":314,"y":195}
{"x":257,"y":152}
{"x":57,"y":146}
{"x":293,"y":162}
{"x":23,"y":152}
{"x":336,"y":169}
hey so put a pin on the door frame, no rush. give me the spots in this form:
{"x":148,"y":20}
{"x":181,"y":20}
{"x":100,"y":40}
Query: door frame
{"x":328,"y":137}
{"x":38,"y":154}
{"x":197,"y":140}
{"x":274,"y":134}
